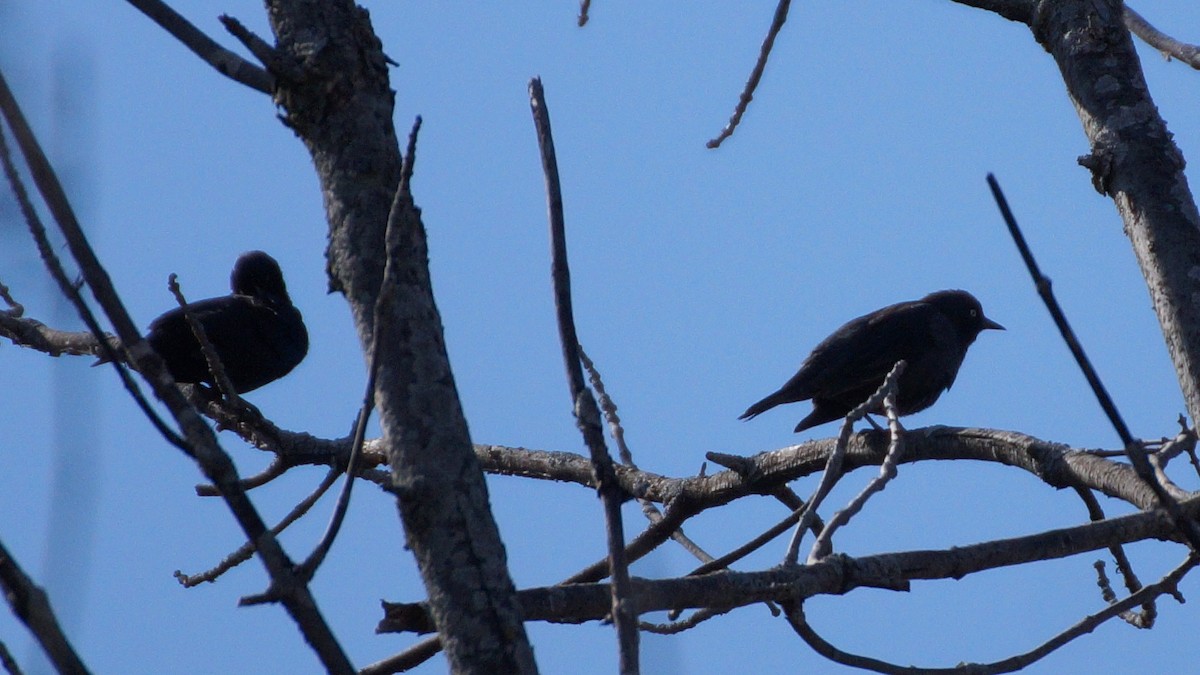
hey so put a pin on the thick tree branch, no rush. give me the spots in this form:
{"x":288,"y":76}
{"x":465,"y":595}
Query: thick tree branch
{"x":34,"y":334}
{"x":1020,"y":11}
{"x":837,"y":574}
{"x":1133,"y":160}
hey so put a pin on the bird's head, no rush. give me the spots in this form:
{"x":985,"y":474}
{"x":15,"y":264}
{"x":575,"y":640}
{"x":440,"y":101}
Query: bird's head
{"x":257,"y":275}
{"x":964,"y":311}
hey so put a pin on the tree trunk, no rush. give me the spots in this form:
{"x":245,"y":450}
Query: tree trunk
{"x":1133,"y":160}
{"x":332,"y":83}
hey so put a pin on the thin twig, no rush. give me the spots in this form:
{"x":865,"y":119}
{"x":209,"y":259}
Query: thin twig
{"x":246,"y":551}
{"x":1137,"y":456}
{"x":749,"y":547}
{"x":587,"y":414}
{"x":406,"y":660}
{"x":781,"y":12}
{"x":823,"y":545}
{"x":1166,"y":585}
{"x":1143,"y":619}
{"x":1165,"y":44}
{"x":226,"y":62}
{"x":211,"y":358}
{"x":833,"y":466}
{"x":675,"y":627}
{"x":274,"y":470}
{"x":15,"y":309}
{"x":615,"y":428}
{"x":31,"y":605}
{"x":263,"y":51}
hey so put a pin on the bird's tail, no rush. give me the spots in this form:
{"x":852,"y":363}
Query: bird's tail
{"x":764,"y":405}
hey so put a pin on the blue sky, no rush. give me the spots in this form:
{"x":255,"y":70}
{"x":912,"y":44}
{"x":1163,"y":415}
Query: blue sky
{"x":702,"y":278}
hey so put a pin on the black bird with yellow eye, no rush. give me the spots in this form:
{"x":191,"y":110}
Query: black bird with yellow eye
{"x":931,"y":334}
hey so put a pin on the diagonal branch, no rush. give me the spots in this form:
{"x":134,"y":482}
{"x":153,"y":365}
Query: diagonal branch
{"x":226,"y":62}
{"x":833,"y":466}
{"x":764,"y":53}
{"x":1167,"y":45}
{"x":823,"y":546}
{"x":96,"y":337}
{"x":201,"y":443}
{"x":32,"y":606}
{"x":1134,"y":449}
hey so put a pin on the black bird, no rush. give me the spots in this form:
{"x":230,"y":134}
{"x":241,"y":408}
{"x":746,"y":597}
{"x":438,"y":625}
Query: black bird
{"x":256,"y":331}
{"x":931,"y":334}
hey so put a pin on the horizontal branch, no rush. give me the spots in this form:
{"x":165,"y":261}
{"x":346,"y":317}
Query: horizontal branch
{"x":1053,"y":463}
{"x":835,"y":575}
{"x":32,"y":333}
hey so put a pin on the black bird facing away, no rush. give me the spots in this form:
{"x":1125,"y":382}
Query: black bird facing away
{"x":257,"y":333}
{"x":931,"y":334}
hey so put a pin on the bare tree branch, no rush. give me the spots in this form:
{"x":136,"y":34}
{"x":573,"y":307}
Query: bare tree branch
{"x":1137,"y":455}
{"x":587,"y":414}
{"x":1169,"y":46}
{"x":836,"y":574}
{"x":1011,"y":664}
{"x":31,"y":605}
{"x":226,"y":62}
{"x":32,"y":333}
{"x":405,"y":660}
{"x":246,"y":551}
{"x":764,"y":53}
{"x":1134,"y":160}
{"x":8,"y":662}
{"x":823,"y":545}
{"x":833,"y":467}
{"x":403,"y":192}
{"x":105,"y":347}
{"x":436,"y":477}
{"x":1020,"y":11}
{"x":1142,"y":619}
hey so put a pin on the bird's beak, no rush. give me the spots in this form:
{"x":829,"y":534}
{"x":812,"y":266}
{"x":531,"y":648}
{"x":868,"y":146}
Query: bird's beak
{"x":988,"y":323}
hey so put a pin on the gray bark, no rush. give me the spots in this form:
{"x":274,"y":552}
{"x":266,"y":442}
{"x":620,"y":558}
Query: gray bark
{"x":332,"y":83}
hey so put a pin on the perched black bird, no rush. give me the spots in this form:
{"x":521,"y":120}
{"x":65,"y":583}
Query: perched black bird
{"x":931,"y":334}
{"x":257,"y":332}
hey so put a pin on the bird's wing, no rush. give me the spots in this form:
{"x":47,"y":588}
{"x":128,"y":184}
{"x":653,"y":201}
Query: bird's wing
{"x":199,"y":309}
{"x":859,"y":354}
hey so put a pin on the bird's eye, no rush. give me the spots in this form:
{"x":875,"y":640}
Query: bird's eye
{"x":974,"y":313}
